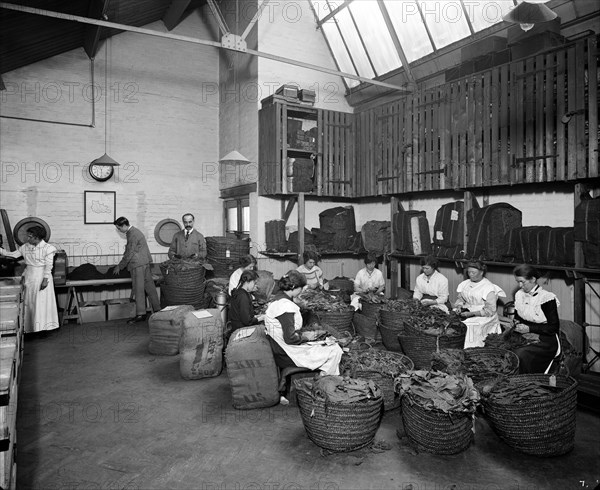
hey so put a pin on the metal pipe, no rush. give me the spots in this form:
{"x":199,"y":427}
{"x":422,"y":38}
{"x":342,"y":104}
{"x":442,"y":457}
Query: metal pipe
{"x":93,"y":123}
{"x":193,"y":40}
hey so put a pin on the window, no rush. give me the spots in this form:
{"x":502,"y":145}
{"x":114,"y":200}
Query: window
{"x":237,"y":217}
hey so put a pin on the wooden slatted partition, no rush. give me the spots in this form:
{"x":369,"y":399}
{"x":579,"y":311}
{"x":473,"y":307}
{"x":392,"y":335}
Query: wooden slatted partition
{"x":269,"y":150}
{"x":592,"y":107}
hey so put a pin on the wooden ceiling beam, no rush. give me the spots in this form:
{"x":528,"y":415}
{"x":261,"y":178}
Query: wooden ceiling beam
{"x":174,"y":13}
{"x":91,"y":35}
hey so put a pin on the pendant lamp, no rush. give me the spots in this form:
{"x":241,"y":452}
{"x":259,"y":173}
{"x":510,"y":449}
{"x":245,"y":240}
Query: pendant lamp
{"x":105,"y":159}
{"x":234,"y":156}
{"x":530,"y":12}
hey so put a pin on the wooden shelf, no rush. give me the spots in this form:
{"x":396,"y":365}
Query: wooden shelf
{"x":293,"y":255}
{"x":581,"y":270}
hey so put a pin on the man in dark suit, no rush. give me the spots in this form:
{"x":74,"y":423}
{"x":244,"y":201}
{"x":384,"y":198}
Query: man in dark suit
{"x":137,"y":260}
{"x":188,"y":243}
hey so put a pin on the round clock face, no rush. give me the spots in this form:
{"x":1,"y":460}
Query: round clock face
{"x":101,"y":172}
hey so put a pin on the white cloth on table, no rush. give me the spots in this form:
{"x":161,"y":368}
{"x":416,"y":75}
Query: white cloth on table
{"x":326,"y":358}
{"x":434,"y":285}
{"x":472,"y":295}
{"x":40,"y":306}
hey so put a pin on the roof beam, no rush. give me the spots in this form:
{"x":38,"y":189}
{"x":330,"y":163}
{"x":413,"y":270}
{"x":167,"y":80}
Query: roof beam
{"x":254,"y":20}
{"x":174,"y":13}
{"x":193,"y":40}
{"x":333,"y":13}
{"x":396,"y":41}
{"x":223,"y":27}
{"x":91,"y":35}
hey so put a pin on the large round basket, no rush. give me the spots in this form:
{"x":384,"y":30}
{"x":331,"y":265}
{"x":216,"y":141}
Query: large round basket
{"x":224,"y":254}
{"x":420,"y":347}
{"x":540,"y":425}
{"x":182,"y":287}
{"x":389,"y":337}
{"x":434,"y":431}
{"x":385,"y":382}
{"x":340,"y":321}
{"x":392,"y":319}
{"x":371,"y":309}
{"x":342,"y":284}
{"x":366,"y":326}
{"x":339,"y":427}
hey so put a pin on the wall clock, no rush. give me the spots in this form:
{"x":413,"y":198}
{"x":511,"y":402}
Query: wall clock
{"x":101,"y":172}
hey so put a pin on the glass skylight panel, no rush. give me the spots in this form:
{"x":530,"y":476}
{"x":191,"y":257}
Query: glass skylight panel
{"x":409,"y":28}
{"x":355,"y":47}
{"x":484,"y":14}
{"x":376,"y":36}
{"x":339,"y":51}
{"x":321,"y":8}
{"x":446,"y":21}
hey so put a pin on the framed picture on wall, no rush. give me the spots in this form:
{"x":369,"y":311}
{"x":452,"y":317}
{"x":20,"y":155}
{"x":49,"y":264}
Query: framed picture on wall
{"x":99,"y":207}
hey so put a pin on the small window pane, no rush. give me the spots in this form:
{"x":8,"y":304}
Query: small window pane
{"x":409,"y":28}
{"x":446,"y":21}
{"x":339,"y":51}
{"x":232,"y":224}
{"x":484,"y":14}
{"x":355,"y":47}
{"x":245,"y":219}
{"x":376,"y":35}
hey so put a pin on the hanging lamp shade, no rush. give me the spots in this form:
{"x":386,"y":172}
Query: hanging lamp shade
{"x":530,"y":13}
{"x":105,"y":160}
{"x":234,"y":157}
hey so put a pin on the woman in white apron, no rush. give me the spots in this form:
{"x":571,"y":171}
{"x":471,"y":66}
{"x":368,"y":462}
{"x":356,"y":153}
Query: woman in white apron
{"x":431,"y":286}
{"x":283,"y":322}
{"x":40,"y":302}
{"x":536,"y":312}
{"x":477,"y":305}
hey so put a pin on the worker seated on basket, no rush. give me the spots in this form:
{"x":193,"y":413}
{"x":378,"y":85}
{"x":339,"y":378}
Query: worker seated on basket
{"x":311,"y":271}
{"x":368,"y":280}
{"x":431,"y":287}
{"x":536,"y":312}
{"x":291,"y":347}
{"x":477,"y":304}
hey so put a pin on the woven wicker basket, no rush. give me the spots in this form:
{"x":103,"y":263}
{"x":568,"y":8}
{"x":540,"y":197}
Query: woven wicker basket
{"x":366,"y":326}
{"x":371,"y":309}
{"x":339,"y":427}
{"x":541,"y":426}
{"x":434,"y":431}
{"x":476,"y":353}
{"x":420,"y":347}
{"x":389,"y":337}
{"x":385,"y":382}
{"x":392,"y":319}
{"x":185,"y":287}
{"x":341,"y":283}
{"x":340,"y":321}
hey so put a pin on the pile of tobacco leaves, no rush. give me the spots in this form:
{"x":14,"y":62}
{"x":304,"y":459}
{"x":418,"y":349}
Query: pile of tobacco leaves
{"x":321,"y":300}
{"x":473,"y":362}
{"x":509,"y":391}
{"x":430,"y":321}
{"x":338,"y":389}
{"x":509,"y":340}
{"x":179,"y":265}
{"x":372,"y":298}
{"x":380,"y":361}
{"x":434,"y":390}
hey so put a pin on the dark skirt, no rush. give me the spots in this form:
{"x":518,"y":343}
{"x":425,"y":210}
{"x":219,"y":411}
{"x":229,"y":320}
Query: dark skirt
{"x":535,"y":358}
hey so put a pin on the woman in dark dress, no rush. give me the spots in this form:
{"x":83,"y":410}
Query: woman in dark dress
{"x":241,"y":311}
{"x":536,"y":312}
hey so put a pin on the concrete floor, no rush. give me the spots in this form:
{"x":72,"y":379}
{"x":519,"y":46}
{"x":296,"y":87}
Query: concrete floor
{"x":96,"y":410}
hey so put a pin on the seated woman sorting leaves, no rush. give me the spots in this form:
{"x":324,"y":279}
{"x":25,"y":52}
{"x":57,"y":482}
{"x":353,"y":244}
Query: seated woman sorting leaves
{"x":536,"y":312}
{"x":431,"y":287}
{"x":241,"y":311}
{"x":283,"y":322}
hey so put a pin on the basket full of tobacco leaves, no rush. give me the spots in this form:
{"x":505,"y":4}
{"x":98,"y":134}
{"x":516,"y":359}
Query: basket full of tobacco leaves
{"x":437,"y":410}
{"x":380,"y":366}
{"x":532,"y":413}
{"x":478,"y":363}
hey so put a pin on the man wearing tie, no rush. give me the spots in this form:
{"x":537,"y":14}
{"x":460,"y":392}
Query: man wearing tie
{"x":188,"y":243}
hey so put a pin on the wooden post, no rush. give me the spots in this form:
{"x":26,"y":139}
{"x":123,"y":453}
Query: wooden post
{"x":578,"y":283}
{"x":301,"y":221}
{"x":393,"y":262}
{"x":470,"y":203}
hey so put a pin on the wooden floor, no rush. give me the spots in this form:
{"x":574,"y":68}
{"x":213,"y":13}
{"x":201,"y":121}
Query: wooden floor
{"x":97,"y":411}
